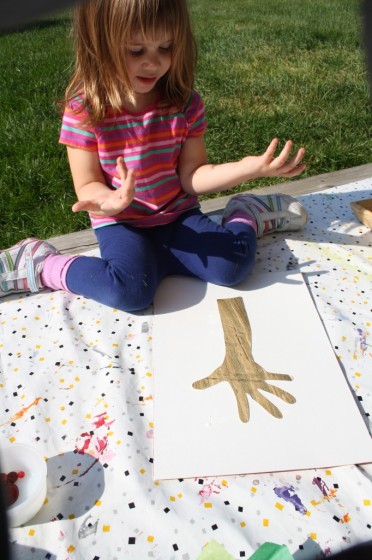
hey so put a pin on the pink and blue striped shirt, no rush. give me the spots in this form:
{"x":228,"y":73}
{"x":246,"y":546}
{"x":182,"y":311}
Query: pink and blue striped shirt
{"x":150,"y":142}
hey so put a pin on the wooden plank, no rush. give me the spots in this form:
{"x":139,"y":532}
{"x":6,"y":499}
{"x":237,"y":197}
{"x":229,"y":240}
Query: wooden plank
{"x":81,"y":241}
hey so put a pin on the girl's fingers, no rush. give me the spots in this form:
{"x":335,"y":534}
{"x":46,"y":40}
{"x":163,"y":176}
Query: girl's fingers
{"x":284,"y":154}
{"x":121,"y":168}
{"x":297,"y":158}
{"x":126,"y":191}
{"x":84,"y":205}
{"x":294,"y":163}
{"x":128,"y":177}
{"x":294,"y":171}
{"x":271,"y":149}
{"x":284,"y":165}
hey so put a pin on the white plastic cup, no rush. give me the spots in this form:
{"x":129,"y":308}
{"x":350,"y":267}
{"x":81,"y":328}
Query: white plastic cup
{"x":32,"y":487}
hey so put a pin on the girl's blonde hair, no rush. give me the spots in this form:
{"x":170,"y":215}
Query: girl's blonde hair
{"x":103,"y":28}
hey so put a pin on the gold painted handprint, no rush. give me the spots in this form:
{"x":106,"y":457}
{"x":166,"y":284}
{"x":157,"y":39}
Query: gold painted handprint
{"x":239,"y":369}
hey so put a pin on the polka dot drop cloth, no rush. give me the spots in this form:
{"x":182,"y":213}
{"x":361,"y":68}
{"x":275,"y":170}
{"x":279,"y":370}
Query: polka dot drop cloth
{"x":77,"y":384}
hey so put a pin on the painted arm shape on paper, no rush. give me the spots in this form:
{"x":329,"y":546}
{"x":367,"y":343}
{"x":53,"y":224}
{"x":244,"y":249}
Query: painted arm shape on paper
{"x":239,"y":369}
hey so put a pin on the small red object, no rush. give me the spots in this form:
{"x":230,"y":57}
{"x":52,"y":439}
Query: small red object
{"x":12,"y":477}
{"x":11,"y":493}
{"x":10,"y":489}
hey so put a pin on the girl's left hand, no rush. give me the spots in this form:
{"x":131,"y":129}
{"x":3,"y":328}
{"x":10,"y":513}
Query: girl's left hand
{"x":267,"y":165}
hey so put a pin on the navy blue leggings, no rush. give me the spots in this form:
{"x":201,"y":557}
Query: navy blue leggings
{"x":134,"y":260}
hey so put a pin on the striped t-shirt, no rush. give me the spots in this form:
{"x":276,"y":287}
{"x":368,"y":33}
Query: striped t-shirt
{"x":150,"y":142}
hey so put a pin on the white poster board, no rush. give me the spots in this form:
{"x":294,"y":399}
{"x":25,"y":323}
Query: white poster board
{"x":198,"y":432}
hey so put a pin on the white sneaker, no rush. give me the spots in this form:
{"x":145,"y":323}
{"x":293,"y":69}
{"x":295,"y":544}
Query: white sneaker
{"x":273,"y":212}
{"x":21,"y":266}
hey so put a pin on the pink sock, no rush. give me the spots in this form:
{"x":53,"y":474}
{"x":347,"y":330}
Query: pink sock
{"x":244,"y":217}
{"x":54,"y":271}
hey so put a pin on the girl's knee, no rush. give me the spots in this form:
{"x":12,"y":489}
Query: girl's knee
{"x":130,"y":296}
{"x":132,"y":303}
{"x":232,"y":273}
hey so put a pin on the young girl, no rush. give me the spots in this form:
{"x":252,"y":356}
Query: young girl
{"x":134,"y":130}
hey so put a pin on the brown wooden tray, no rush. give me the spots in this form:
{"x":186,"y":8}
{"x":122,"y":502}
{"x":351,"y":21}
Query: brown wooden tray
{"x":363,"y":211}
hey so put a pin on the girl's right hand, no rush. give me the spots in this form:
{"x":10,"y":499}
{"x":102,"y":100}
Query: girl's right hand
{"x":111,"y":202}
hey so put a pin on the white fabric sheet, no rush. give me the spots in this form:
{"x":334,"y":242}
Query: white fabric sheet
{"x":76,"y":376}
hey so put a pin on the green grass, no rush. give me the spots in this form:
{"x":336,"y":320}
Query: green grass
{"x":291,"y":69}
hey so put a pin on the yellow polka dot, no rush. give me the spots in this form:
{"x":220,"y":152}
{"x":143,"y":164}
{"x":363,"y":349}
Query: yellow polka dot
{"x":208,"y":505}
{"x":98,"y":503}
{"x":313,"y":536}
{"x":253,"y":489}
{"x":367,"y":502}
{"x":75,"y":471}
{"x":328,"y":472}
{"x":31,"y":532}
{"x":279,"y":506}
{"x":71,"y":548}
{"x":71,"y":516}
{"x":172,"y":498}
{"x":106,"y":528}
{"x":150,"y":538}
{"x":243,"y":524}
{"x":265,"y":522}
{"x":47,"y":419}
